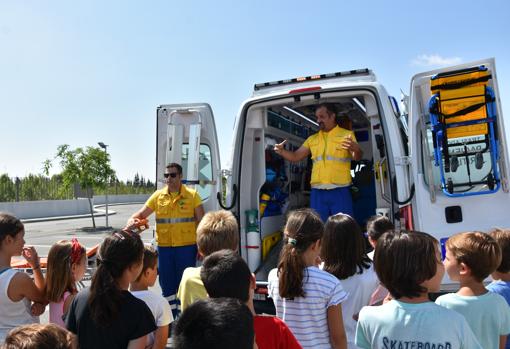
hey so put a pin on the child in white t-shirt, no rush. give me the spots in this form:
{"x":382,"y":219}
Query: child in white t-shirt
{"x":157,"y":304}
{"x":409,"y":265}
{"x":344,"y":255}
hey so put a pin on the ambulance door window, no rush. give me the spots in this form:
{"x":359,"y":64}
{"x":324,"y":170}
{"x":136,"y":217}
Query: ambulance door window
{"x":205,"y":173}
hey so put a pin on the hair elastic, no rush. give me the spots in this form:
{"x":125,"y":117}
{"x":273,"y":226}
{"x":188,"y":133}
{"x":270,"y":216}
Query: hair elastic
{"x":76,"y":249}
{"x":119,"y":235}
{"x":292,"y":241}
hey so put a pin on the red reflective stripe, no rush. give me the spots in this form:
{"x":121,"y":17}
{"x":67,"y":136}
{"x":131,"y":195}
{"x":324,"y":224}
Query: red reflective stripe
{"x":251,"y":246}
{"x":406,"y":214}
{"x":306,"y":89}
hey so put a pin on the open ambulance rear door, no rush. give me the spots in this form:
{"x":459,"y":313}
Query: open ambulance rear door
{"x":186,"y":134}
{"x":459,"y":150}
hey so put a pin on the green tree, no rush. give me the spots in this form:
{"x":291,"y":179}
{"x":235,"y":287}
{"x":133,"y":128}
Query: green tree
{"x":90,"y":167}
{"x":7,"y":188}
{"x":136,"y":181}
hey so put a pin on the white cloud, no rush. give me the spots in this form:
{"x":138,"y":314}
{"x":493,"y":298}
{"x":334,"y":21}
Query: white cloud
{"x":435,"y":60}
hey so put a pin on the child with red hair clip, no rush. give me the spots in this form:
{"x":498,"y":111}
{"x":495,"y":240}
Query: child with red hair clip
{"x":67,"y":263}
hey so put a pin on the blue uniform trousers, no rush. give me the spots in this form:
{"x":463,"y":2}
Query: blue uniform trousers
{"x":171,"y":264}
{"x":330,"y":202}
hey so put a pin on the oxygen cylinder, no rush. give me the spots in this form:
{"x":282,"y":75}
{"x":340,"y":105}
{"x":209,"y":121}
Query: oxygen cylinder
{"x":253,"y":242}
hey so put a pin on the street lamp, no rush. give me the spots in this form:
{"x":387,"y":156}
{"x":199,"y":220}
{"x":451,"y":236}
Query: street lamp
{"x":104,"y":146}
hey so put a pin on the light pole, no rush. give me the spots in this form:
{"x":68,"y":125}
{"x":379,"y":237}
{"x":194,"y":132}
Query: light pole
{"x":104,"y":146}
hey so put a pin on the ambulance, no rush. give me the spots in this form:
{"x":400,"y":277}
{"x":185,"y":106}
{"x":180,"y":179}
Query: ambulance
{"x":439,"y":164}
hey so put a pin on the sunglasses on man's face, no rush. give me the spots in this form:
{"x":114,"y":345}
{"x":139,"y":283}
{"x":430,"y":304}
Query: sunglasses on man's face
{"x":172,"y":174}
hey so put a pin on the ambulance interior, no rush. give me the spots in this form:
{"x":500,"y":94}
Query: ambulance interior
{"x":270,"y":186}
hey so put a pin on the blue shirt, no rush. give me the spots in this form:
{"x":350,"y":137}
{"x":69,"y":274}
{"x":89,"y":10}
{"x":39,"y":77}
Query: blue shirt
{"x":488,"y":315}
{"x":413,"y":325}
{"x":502,"y":288}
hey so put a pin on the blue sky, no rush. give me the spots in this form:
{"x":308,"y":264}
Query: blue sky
{"x":79,"y":72}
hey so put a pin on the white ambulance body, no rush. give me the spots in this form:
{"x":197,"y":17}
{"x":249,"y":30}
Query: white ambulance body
{"x":396,"y":176}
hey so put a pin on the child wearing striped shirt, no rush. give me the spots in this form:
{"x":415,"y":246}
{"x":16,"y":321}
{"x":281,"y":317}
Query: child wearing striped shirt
{"x":306,"y":298}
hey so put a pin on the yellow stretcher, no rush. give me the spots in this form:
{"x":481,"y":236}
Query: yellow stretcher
{"x":463,"y":118}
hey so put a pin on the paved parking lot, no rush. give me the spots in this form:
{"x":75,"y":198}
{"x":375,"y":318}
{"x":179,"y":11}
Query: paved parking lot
{"x":42,"y":235}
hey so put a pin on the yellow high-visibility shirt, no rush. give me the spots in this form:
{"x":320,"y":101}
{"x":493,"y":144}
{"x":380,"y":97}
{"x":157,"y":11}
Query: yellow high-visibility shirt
{"x":175,"y":216}
{"x":191,"y":288}
{"x":331,"y":163}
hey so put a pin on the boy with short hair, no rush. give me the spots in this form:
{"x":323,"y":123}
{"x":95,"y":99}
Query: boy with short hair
{"x":501,"y":277}
{"x":215,"y":324}
{"x":470,"y":258}
{"x":409,"y":265}
{"x":216,"y":231}
{"x":226,"y":274}
{"x":158,"y":305}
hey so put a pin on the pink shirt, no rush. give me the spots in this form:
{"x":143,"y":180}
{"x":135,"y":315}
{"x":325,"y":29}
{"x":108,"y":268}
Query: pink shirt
{"x":57,"y":310}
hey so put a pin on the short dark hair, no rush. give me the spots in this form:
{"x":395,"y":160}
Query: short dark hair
{"x":330,"y":107}
{"x":39,"y":336}
{"x":479,"y":251}
{"x":176,"y":166}
{"x":226,"y":274}
{"x":404,"y":260}
{"x":9,"y":226}
{"x":502,"y":237}
{"x":378,"y":225}
{"x":150,"y":259}
{"x":213,"y":324}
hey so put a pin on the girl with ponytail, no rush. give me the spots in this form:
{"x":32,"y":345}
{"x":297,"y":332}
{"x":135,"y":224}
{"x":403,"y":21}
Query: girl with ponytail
{"x":106,"y":315}
{"x":306,"y":298}
{"x":67,"y":263}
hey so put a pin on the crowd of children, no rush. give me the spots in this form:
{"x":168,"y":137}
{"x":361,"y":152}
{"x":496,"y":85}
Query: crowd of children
{"x":327,"y":290}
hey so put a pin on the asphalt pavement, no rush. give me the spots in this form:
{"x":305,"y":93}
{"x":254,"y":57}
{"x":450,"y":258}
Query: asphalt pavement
{"x":43,"y":234}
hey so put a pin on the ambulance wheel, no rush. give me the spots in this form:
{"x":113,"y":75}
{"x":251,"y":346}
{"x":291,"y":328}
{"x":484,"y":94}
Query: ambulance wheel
{"x":490,"y":181}
{"x":449,"y":186}
{"x":454,"y":163}
{"x":478,"y":160}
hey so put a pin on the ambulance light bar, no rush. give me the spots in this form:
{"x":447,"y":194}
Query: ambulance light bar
{"x":263,"y":85}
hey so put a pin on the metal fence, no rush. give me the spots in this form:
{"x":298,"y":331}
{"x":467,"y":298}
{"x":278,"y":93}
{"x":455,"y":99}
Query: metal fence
{"x":37,"y":187}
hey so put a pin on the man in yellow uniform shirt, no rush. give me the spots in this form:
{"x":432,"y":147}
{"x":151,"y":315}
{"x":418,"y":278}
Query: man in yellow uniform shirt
{"x":178,"y":211}
{"x":332,"y":149}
